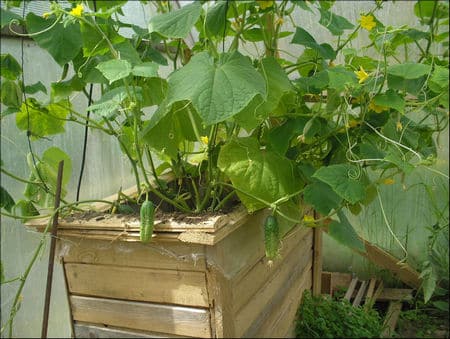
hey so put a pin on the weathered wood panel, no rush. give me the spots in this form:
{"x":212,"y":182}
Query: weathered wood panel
{"x":275,"y":287}
{"x":245,"y":287}
{"x":167,"y":255}
{"x":87,"y":330}
{"x":317,"y":261}
{"x":283,"y":315}
{"x":140,"y":284}
{"x":179,"y":320}
{"x":240,"y":250}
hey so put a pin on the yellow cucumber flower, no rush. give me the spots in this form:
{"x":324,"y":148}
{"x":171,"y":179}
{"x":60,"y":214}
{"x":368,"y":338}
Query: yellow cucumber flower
{"x":308,"y":218}
{"x":399,"y":126}
{"x":388,"y":181}
{"x":361,"y":74}
{"x":204,"y":140}
{"x":77,"y":11}
{"x":367,"y":22}
{"x":377,"y":108}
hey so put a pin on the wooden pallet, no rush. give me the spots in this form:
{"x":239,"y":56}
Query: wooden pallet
{"x":366,"y":293}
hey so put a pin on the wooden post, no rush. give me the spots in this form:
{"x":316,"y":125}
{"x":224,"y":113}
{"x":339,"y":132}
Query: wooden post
{"x":317,"y":261}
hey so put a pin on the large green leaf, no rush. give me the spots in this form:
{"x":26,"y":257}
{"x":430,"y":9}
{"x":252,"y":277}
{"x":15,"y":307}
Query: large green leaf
{"x":115,"y":69}
{"x":344,"y":233}
{"x":41,"y":120}
{"x":176,"y":24}
{"x":11,"y":94}
{"x":278,"y":85}
{"x":107,"y":106}
{"x":302,"y":37}
{"x":146,"y":69}
{"x":279,"y":137}
{"x":217,"y":90}
{"x":257,"y":172}
{"x":341,"y":179}
{"x":169,"y":127}
{"x":409,"y":70}
{"x":340,"y":78}
{"x":10,"y":68}
{"x":336,"y":24}
{"x":322,"y":197}
{"x":6,"y":200}
{"x":63,"y":42}
{"x":7,"y":16}
{"x":390,"y":99}
{"x":94,"y":42}
{"x":216,"y":19}
{"x":46,"y":169}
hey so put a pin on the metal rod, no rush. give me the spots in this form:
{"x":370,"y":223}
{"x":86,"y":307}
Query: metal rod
{"x":51,"y":257}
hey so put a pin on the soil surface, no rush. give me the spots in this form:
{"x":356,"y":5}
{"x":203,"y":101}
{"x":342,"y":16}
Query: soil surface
{"x":180,"y":217}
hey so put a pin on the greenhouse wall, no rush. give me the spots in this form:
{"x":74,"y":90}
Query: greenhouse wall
{"x":407,"y":208}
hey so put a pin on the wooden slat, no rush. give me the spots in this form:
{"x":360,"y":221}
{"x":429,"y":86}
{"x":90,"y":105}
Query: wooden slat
{"x":222,"y":316}
{"x":360,"y":294}
{"x":139,"y":284}
{"x":177,"y":320}
{"x":166,"y":255}
{"x":404,"y":294}
{"x":317,"y":261}
{"x":283,"y":314}
{"x":390,"y":322}
{"x":351,"y":288}
{"x":244,"y":287}
{"x":385,"y":260}
{"x":274,"y":287}
{"x":370,"y":290}
{"x":87,"y":330}
{"x":326,"y":283}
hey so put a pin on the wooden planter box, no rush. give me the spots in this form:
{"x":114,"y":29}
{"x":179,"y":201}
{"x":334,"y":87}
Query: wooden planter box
{"x":204,"y":280}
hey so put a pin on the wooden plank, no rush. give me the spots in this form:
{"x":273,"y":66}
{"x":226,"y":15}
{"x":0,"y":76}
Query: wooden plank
{"x":139,"y":284}
{"x":385,"y":260}
{"x":178,"y":320}
{"x":326,"y":283}
{"x":166,"y":255}
{"x":87,"y":330}
{"x":370,"y":290}
{"x":241,"y":249}
{"x":390,"y":321}
{"x":244,"y":287}
{"x":274,"y":287}
{"x":368,"y":305}
{"x":317,"y":261}
{"x":360,"y":294}
{"x":404,"y":294}
{"x":340,"y":280}
{"x":351,"y":288}
{"x":283,"y":314}
{"x":222,"y":316}
{"x":116,"y":235}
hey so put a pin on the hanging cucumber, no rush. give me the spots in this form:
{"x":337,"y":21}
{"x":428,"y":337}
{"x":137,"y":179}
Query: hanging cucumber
{"x":147,"y":218}
{"x":271,"y":238}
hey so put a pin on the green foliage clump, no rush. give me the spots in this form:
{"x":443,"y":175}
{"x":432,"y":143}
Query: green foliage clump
{"x":323,"y":317}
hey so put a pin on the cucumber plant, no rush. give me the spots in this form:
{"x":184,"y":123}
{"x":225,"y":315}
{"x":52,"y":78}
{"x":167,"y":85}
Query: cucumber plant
{"x":322,"y":123}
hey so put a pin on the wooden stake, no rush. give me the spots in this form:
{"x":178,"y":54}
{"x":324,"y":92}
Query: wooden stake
{"x":51,"y":257}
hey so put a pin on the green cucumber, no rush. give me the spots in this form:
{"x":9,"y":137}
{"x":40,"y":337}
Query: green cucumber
{"x":271,"y":237}
{"x":147,"y":219}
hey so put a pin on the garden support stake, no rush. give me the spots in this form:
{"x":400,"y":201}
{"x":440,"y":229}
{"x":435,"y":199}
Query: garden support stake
{"x":51,"y":257}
